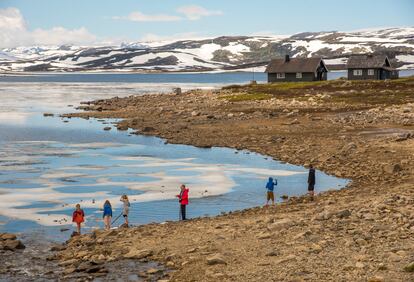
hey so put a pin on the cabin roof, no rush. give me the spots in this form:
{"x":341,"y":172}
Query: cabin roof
{"x":368,"y":61}
{"x":294,"y":65}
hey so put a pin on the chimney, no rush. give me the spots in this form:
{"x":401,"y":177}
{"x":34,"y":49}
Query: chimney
{"x":287,"y":59}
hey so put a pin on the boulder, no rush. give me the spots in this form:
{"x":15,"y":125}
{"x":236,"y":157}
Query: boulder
{"x":12,"y":245}
{"x":7,"y":236}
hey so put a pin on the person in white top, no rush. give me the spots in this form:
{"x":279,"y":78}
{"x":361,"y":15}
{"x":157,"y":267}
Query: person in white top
{"x":125,"y":211}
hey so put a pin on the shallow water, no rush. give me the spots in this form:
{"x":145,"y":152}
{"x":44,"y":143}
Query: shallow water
{"x":48,"y":165}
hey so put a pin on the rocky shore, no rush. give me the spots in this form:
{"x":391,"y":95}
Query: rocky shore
{"x":363,"y":131}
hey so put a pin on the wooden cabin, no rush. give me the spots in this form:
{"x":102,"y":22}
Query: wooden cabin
{"x":376,"y":67}
{"x":296,"y":69}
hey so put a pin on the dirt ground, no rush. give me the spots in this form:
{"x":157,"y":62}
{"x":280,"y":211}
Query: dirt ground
{"x":363,"y":131}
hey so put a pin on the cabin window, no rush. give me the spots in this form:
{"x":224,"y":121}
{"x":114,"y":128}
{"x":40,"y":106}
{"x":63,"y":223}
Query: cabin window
{"x":357,"y":72}
{"x":280,"y":75}
{"x":370,"y":72}
{"x":298,"y":75}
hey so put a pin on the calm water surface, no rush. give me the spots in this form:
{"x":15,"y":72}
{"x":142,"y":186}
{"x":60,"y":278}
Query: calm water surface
{"x":48,"y":164}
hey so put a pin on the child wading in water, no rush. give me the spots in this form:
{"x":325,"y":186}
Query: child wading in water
{"x":125,"y":211}
{"x":107,"y":214}
{"x":78,"y":216}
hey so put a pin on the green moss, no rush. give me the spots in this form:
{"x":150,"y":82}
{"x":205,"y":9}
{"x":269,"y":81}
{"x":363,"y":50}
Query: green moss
{"x":246,"y":97}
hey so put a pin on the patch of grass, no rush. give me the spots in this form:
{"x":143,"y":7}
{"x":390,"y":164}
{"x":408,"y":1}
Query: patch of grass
{"x":247,"y":97}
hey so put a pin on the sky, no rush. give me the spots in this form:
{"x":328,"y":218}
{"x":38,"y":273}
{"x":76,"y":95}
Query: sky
{"x":56,"y":22}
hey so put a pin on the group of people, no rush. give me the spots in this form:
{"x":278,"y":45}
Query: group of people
{"x":78,"y":216}
{"x":270,"y":186}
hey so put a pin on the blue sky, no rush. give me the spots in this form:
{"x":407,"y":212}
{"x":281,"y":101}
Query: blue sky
{"x":132,"y":20}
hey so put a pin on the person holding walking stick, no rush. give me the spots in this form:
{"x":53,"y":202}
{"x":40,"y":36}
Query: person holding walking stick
{"x":124,"y":199}
{"x":183,"y":200}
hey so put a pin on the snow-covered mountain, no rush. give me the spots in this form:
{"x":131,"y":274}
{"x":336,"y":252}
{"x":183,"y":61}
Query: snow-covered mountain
{"x":221,"y":53}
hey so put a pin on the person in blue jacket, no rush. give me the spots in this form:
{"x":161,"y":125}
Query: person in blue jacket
{"x":107,"y":214}
{"x":270,"y":186}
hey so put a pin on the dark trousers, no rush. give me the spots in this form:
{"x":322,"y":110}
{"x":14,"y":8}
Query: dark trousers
{"x":182,"y":208}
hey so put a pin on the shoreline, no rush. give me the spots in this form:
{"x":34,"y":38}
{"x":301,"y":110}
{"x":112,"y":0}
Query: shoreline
{"x":354,"y":130}
{"x":361,"y":233}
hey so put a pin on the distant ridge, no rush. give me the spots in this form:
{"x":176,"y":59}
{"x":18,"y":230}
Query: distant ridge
{"x":221,"y":53}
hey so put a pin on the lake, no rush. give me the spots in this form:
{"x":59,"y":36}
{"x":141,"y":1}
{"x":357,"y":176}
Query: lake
{"x":48,"y":164}
{"x":190,"y":79}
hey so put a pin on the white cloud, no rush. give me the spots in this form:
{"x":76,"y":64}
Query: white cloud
{"x":191,"y":12}
{"x":138,"y":16}
{"x":11,"y":18}
{"x":14,"y":32}
{"x":194,"y":12}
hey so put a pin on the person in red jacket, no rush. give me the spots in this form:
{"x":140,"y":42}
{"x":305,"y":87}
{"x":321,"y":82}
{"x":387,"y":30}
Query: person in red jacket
{"x":78,"y":217}
{"x":183,"y":199}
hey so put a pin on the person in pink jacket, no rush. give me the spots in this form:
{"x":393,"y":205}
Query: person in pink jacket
{"x":183,"y":199}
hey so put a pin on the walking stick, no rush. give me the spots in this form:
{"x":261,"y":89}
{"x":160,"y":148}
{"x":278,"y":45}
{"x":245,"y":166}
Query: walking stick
{"x":117,"y":218}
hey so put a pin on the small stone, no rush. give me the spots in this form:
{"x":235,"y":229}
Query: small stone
{"x":343,"y":214}
{"x":285,"y":259}
{"x":148,"y":129}
{"x":68,"y":262}
{"x":359,"y":265}
{"x":107,"y":128}
{"x":376,"y":279}
{"x":263,"y":236}
{"x":133,"y":278}
{"x":382,"y":266}
{"x":69,"y":270}
{"x":273,"y":253}
{"x":192,"y":250}
{"x":138,"y":254}
{"x":325,"y":215}
{"x":215,"y":259}
{"x":153,"y":271}
{"x":57,"y":248}
{"x":392,"y":169}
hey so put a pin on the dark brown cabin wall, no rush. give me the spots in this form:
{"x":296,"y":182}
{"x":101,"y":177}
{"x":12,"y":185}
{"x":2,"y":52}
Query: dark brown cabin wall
{"x":364,"y":75}
{"x":291,"y":77}
{"x":379,"y":74}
